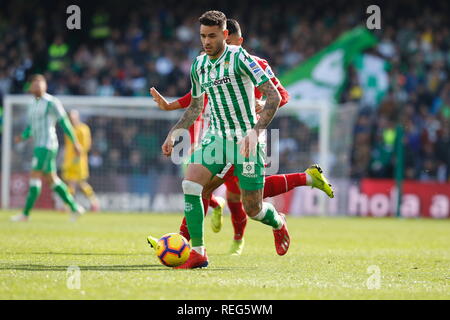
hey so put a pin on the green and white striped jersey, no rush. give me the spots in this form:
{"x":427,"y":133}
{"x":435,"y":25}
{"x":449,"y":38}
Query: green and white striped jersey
{"x":229,"y":82}
{"x":43,"y":113}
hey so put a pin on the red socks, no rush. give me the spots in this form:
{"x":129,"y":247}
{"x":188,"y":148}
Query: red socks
{"x":213,"y":202}
{"x":238,"y":218}
{"x":281,"y":183}
{"x":273,"y":186}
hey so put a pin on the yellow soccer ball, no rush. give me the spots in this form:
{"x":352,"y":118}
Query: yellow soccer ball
{"x":172,"y":249}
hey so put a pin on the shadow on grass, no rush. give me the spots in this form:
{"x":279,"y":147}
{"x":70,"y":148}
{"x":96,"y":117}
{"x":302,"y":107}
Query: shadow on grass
{"x":140,"y":267}
{"x":40,"y":267}
{"x":86,"y":253}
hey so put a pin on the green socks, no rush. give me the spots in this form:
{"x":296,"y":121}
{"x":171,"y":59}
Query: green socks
{"x":33,"y":193}
{"x":193,"y":211}
{"x":61,"y":189}
{"x":269,"y":215}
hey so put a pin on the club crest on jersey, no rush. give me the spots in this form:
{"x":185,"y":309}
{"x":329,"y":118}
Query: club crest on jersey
{"x":226,"y":64}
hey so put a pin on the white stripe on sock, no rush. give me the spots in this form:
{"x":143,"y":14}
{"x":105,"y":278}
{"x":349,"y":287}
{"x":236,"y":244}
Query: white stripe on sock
{"x":260,"y":216}
{"x":35,"y":183}
{"x":200,"y":250}
{"x":285,"y":182}
{"x":192,"y":188}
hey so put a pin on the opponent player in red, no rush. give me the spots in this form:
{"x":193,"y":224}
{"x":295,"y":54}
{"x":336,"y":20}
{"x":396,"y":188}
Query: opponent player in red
{"x":274,"y":185}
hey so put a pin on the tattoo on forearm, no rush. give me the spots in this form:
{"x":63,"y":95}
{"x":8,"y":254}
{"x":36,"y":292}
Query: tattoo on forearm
{"x":272,"y":102}
{"x":191,"y":113}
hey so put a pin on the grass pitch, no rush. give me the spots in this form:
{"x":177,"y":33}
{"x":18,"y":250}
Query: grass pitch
{"x":329,"y":258}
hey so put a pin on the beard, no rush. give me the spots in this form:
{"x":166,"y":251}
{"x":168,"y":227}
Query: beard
{"x":216,"y":52}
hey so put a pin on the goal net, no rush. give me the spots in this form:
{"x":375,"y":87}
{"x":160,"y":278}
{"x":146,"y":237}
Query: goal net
{"x":129,"y":173}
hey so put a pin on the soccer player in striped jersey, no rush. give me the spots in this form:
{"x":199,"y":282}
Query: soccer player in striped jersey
{"x":43,"y":113}
{"x":274,"y":185}
{"x":228,"y":74}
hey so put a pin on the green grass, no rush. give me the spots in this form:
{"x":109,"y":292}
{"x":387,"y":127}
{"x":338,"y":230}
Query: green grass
{"x":328,"y":259}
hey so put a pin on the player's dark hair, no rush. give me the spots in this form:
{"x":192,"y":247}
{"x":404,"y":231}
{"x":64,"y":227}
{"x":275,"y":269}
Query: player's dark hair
{"x":37,"y":76}
{"x":233,"y":27}
{"x":213,"y":18}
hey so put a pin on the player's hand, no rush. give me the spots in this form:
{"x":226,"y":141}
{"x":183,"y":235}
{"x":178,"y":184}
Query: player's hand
{"x":168,"y":145}
{"x":259,"y":105}
{"x":18,"y":139}
{"x":159,"y":99}
{"x":248,"y":144}
{"x":77,"y":148}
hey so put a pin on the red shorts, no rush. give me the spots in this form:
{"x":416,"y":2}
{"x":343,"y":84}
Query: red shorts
{"x":231,"y":181}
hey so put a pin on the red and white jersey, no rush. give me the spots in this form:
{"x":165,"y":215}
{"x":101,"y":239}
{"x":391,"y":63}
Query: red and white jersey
{"x":266,"y":67}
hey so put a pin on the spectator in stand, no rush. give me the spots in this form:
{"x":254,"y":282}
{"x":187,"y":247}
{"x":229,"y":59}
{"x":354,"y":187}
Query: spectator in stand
{"x":156,"y":44}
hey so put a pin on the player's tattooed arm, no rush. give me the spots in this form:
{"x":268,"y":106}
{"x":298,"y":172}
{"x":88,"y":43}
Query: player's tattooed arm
{"x":250,"y":142}
{"x":192,"y":112}
{"x":270,"y":108}
{"x":187,"y":119}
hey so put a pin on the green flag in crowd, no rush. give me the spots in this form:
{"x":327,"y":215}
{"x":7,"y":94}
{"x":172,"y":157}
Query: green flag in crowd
{"x":323,"y":75}
{"x":373,"y":78}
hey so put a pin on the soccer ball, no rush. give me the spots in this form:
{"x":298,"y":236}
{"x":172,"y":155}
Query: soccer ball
{"x":173,"y":249}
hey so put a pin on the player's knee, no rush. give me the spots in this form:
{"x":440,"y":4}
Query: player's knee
{"x":52,"y":179}
{"x":252,"y":208}
{"x":36,"y":175}
{"x":48,"y":178}
{"x":207,"y":191}
{"x":192,"y":188}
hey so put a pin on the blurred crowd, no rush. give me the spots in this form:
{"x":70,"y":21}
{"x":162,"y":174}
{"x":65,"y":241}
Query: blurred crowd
{"x":123,"y":49}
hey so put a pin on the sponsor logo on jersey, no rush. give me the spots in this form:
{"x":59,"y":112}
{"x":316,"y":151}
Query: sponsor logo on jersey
{"x":255,"y":71}
{"x":269,"y":72}
{"x":248,"y":168}
{"x":217,"y":82}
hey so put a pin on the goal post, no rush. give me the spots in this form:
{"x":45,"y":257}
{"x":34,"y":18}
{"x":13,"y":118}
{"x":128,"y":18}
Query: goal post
{"x":147,"y":181}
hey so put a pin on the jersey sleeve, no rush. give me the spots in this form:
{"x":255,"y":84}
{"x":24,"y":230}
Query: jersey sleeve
{"x":185,"y":100}
{"x":196,"y":89}
{"x":283,"y":92}
{"x":58,"y":109}
{"x":26,"y":133}
{"x":251,"y":68}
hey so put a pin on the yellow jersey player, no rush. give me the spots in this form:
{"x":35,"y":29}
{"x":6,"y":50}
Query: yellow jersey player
{"x":75,"y":169}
